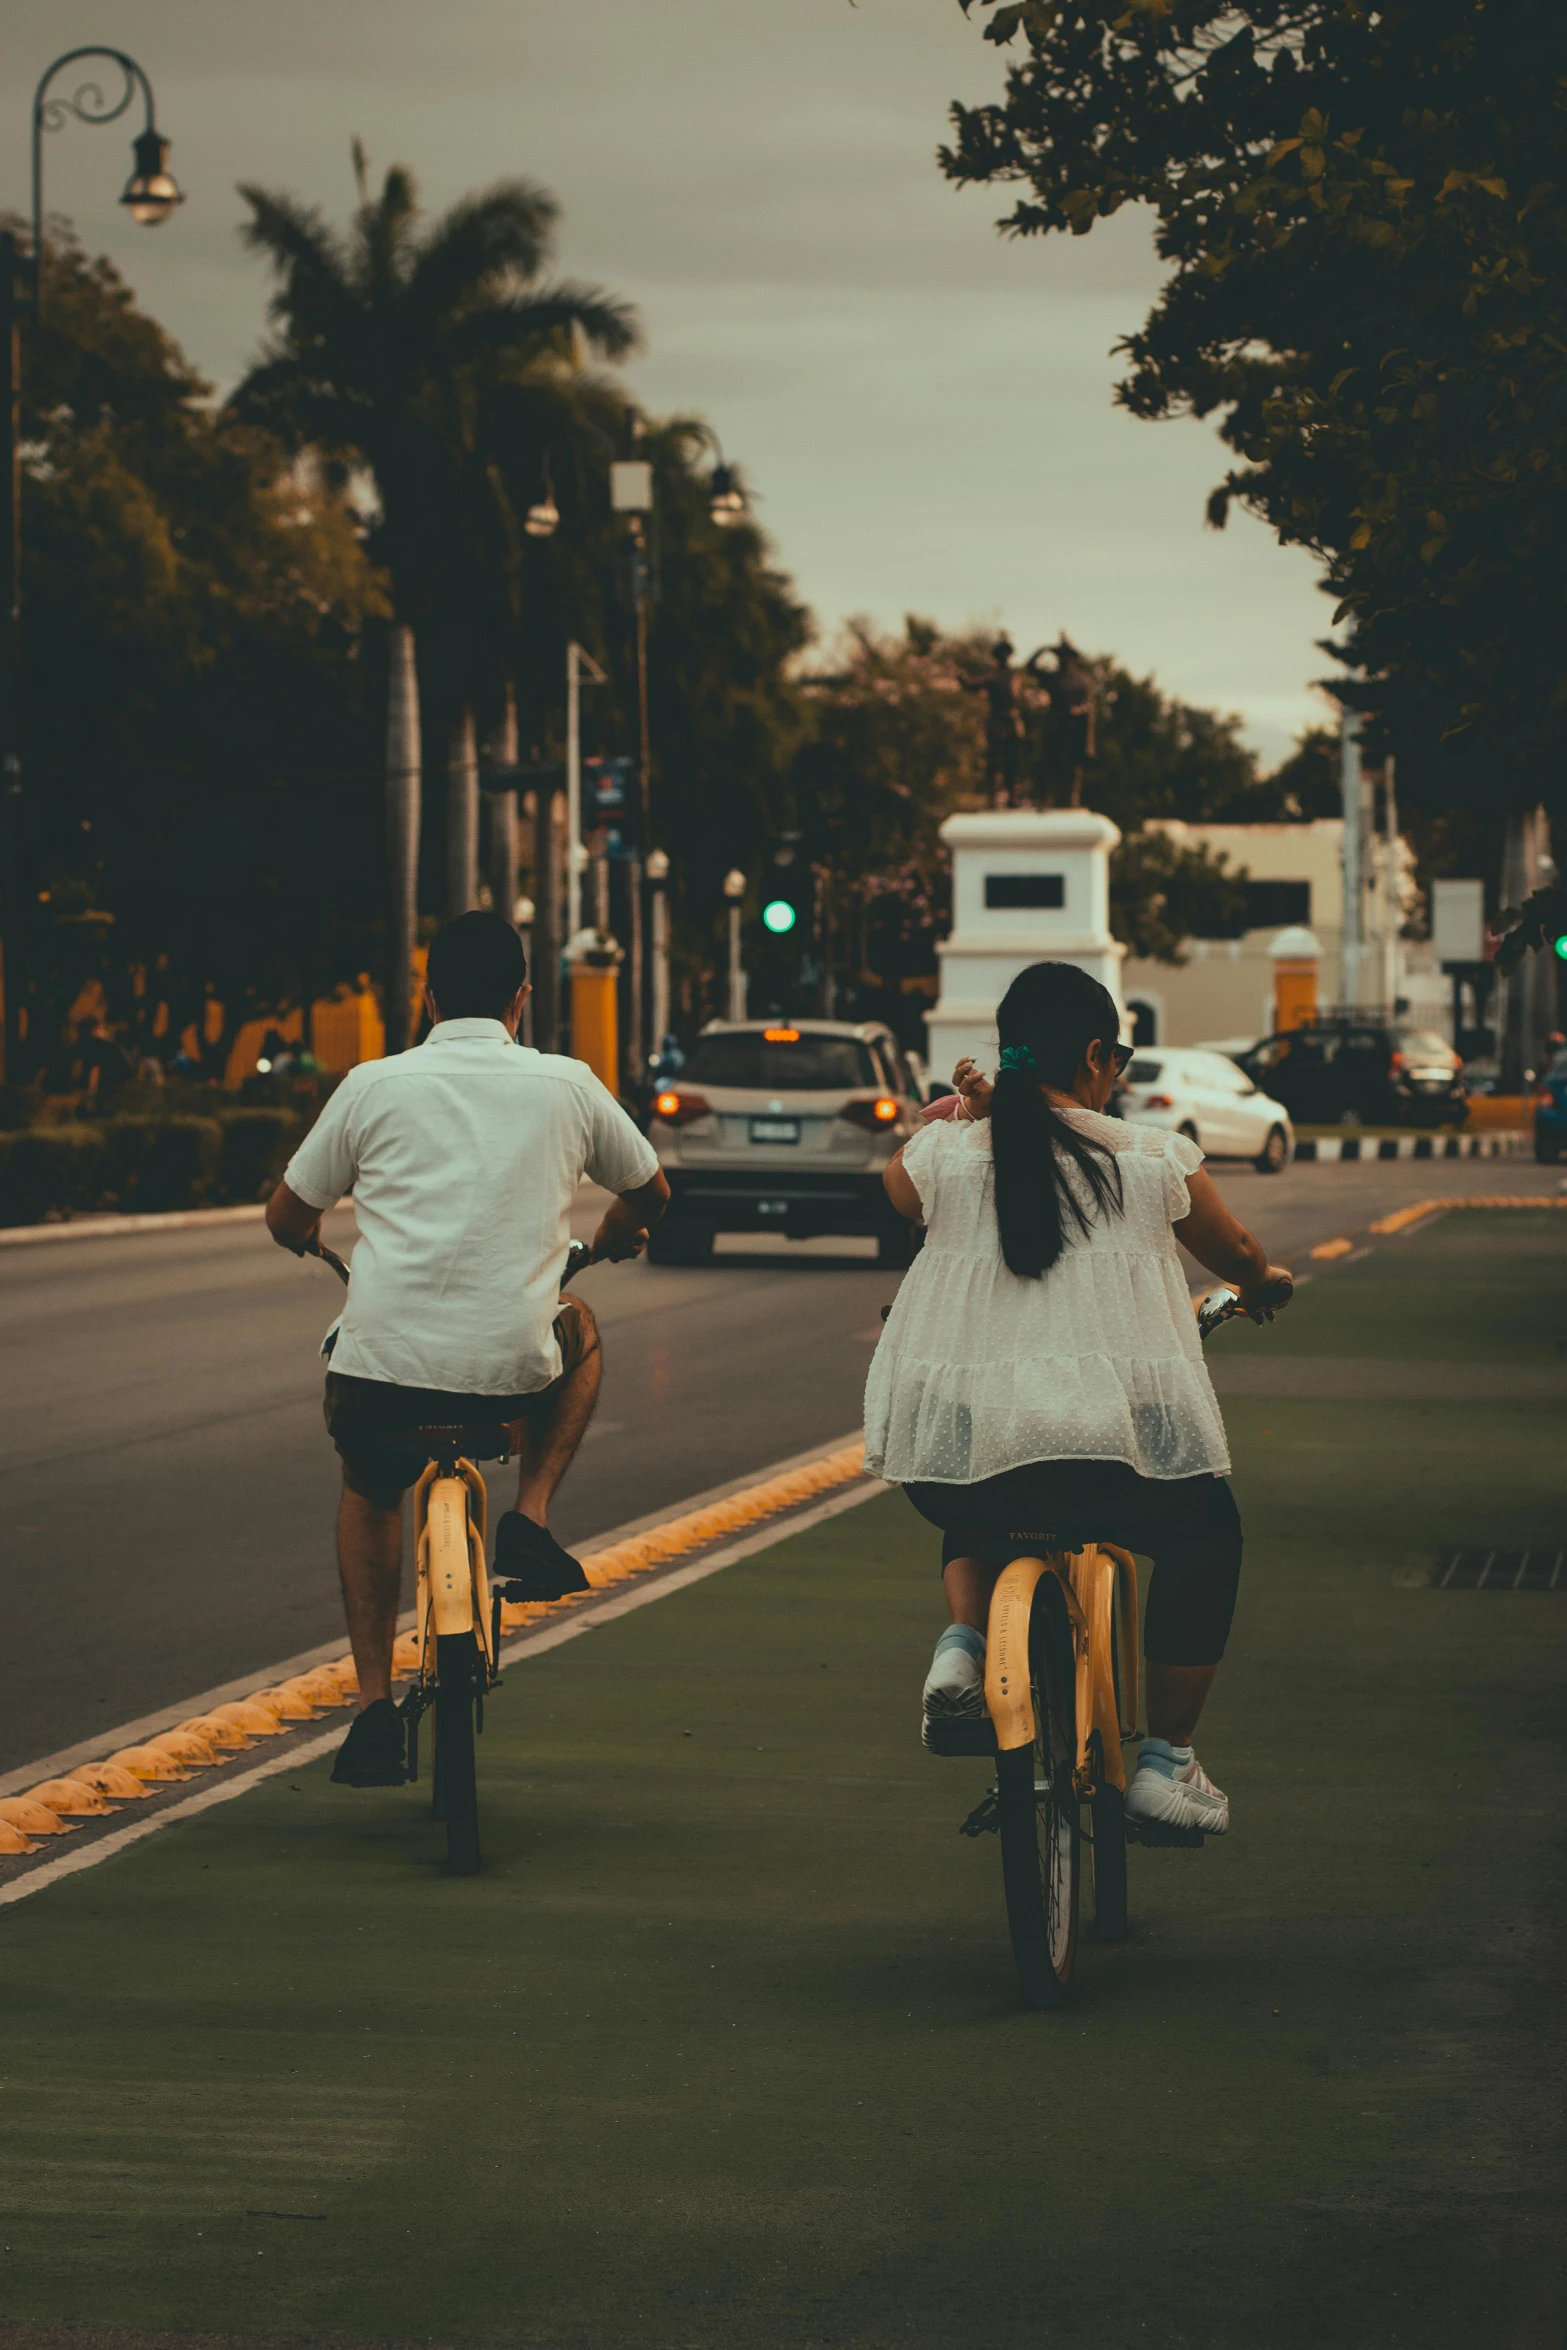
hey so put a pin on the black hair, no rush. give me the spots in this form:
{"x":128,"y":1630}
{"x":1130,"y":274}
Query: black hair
{"x":475,"y":968}
{"x":1053,"y":1012}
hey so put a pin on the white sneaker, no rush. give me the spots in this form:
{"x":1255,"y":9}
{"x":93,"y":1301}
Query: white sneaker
{"x":955,"y":1684}
{"x":1171,"y":1786}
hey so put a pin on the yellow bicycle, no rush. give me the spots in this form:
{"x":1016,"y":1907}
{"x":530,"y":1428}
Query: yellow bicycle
{"x":455,"y":1660}
{"x":1061,"y":1695}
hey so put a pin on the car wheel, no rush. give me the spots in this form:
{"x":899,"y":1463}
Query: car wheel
{"x":1273,"y":1158}
{"x":680,"y":1240}
{"x":1189,"y":1130}
{"x":899,"y":1249}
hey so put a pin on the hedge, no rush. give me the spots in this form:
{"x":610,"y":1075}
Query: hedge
{"x":154,"y":1164}
{"x":145,"y":1164}
{"x":257,"y":1146}
{"x":44,"y":1167}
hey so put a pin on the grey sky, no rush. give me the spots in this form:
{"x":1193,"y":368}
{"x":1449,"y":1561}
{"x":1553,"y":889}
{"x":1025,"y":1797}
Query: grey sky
{"x":923,"y":409}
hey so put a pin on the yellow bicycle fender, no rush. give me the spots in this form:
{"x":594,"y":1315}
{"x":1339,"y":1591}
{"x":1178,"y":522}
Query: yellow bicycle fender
{"x":1126,"y":1625}
{"x":1094,"y":1579}
{"x":1007,"y":1688}
{"x":447,"y":1561}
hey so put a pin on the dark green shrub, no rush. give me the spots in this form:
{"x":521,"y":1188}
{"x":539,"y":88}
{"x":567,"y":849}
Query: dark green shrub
{"x":152,"y":1165}
{"x":49,"y":1168}
{"x":257,"y":1146}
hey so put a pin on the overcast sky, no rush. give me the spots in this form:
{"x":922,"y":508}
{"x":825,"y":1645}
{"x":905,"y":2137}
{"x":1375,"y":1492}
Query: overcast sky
{"x":924,"y":410}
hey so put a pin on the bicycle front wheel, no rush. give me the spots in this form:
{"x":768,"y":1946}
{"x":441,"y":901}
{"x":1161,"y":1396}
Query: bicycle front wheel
{"x":1037,"y":1813}
{"x":458,"y":1666}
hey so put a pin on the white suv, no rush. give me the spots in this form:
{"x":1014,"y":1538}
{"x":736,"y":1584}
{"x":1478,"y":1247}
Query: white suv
{"x":782,"y":1126}
{"x":1206,"y":1096}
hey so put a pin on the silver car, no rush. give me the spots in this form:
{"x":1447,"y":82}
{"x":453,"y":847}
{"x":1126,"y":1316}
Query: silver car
{"x":783,"y":1126}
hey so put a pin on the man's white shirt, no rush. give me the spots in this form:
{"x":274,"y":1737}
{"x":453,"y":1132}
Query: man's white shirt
{"x":464,"y":1157}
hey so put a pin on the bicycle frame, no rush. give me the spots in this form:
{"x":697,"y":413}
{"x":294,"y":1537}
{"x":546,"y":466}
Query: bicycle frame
{"x":1099,"y":1586}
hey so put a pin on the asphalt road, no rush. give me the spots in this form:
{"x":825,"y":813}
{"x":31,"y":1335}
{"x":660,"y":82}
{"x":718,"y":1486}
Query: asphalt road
{"x":167,"y":1491}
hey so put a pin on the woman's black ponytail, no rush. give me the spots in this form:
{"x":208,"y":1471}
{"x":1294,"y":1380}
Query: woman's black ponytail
{"x":1046,"y":1020}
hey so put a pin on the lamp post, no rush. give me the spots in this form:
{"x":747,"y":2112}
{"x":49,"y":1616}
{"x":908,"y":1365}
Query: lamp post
{"x":734,"y":891}
{"x":658,"y":882}
{"x":150,"y":196}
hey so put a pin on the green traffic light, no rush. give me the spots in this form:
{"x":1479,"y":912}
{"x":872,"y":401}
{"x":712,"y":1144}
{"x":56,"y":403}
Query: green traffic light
{"x":1561,"y":946}
{"x":778,"y":915}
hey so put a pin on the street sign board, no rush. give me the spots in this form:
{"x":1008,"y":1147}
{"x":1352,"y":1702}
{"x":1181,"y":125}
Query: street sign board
{"x":1458,"y":921}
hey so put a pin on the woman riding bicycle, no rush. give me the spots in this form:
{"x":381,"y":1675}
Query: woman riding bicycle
{"x":1040,"y":1382}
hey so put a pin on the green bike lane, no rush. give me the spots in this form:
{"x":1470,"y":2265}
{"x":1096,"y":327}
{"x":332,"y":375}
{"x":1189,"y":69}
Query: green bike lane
{"x":724,"y":2047}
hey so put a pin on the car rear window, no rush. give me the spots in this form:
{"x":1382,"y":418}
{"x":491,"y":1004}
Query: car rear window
{"x":1144,"y":1072}
{"x":801,"y":1063}
{"x":1423,"y":1043}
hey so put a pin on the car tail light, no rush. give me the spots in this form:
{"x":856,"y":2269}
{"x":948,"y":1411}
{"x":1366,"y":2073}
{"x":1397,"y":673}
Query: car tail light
{"x":876,"y":1114}
{"x":1396,"y":1065}
{"x":780,"y":1036}
{"x":1158,"y":1101}
{"x":678,"y":1109}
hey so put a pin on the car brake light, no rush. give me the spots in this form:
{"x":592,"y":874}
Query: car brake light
{"x":880,"y":1112}
{"x":780,"y":1036}
{"x":1158,"y":1101}
{"x":678,"y":1109}
{"x":1396,"y":1065}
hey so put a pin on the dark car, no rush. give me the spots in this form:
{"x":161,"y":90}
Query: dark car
{"x":1550,"y":1113}
{"x":1360,"y":1073}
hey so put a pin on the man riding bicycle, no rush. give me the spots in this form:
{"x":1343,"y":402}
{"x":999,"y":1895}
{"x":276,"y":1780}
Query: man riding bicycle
{"x":463,"y":1156}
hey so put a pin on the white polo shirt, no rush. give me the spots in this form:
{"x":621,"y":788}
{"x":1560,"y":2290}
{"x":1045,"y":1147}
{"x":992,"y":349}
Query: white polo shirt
{"x":464,"y":1157}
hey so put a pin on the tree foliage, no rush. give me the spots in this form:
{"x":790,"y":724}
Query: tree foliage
{"x":197,"y":744}
{"x":1365,"y":218}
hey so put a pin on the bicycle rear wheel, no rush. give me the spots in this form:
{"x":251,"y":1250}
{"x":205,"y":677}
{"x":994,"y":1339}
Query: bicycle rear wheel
{"x":1037,"y":1812}
{"x":458,"y":1666}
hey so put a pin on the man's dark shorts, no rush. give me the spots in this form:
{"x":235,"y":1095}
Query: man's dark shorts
{"x":367,"y":1419}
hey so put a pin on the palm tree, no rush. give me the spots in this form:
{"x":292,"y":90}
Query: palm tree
{"x":385,"y":339}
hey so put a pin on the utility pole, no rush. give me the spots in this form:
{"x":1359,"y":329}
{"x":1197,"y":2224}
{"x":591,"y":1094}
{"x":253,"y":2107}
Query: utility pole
{"x":13,"y":857}
{"x":658,"y":882}
{"x":1391,"y":909}
{"x":734,"y":891}
{"x":1352,"y":936}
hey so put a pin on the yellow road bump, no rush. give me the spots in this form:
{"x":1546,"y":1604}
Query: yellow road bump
{"x":71,"y":1798}
{"x":1402,"y":1218}
{"x":1332,"y":1248}
{"x":208,"y":1741}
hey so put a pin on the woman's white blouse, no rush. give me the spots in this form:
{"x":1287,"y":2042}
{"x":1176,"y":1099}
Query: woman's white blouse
{"x":980,"y":1370}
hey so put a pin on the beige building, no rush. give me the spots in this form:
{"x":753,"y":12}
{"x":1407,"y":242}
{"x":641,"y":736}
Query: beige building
{"x":1226,"y":987}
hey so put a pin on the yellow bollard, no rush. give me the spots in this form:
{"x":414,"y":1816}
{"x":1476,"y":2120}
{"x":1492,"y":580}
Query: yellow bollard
{"x":595,"y":1018}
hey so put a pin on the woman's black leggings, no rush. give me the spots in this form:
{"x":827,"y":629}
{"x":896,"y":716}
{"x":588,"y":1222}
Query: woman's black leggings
{"x":1189,"y":1526}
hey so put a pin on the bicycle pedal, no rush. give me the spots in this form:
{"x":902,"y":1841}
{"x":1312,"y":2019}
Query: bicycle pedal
{"x":955,"y":1736}
{"x":1159,"y":1832}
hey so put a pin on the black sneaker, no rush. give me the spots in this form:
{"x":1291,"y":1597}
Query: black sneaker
{"x":531,"y":1561}
{"x":373,"y":1755}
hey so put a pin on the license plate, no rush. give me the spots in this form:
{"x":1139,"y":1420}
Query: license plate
{"x":775,"y":1129}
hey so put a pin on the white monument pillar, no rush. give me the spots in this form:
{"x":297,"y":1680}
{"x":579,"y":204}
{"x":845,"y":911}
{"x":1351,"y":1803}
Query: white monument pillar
{"x":1028,"y":886}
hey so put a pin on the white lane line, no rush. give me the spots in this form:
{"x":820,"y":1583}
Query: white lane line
{"x":116,"y":1227}
{"x":102,"y":1742}
{"x":586,"y":1619}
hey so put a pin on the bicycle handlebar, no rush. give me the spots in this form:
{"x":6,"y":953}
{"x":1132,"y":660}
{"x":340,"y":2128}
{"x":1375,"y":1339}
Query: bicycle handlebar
{"x":1223,"y":1305}
{"x":578,"y":1258}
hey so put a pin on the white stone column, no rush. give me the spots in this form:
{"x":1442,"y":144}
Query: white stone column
{"x":1027,"y":887}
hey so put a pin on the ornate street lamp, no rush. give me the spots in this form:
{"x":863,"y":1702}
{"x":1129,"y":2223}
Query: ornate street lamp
{"x":150,"y":195}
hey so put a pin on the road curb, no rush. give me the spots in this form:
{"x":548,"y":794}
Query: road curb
{"x":116,"y":1227}
{"x":1348,"y":1149}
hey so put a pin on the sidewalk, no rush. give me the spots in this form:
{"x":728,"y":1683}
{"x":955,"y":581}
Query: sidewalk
{"x":723,"y":2051}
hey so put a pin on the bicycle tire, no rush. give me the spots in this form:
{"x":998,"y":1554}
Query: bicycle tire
{"x":1037,"y":1813}
{"x":457,"y":1667}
